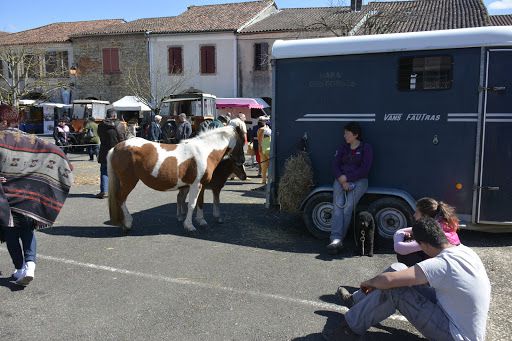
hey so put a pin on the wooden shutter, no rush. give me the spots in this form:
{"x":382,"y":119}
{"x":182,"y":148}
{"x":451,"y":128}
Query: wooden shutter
{"x":203,"y":59}
{"x":114,"y":60}
{"x":106,"y":61}
{"x":208,"y":59}
{"x":175,"y":60}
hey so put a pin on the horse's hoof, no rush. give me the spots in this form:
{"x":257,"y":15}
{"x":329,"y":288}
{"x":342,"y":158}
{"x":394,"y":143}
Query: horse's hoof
{"x":181,"y":218}
{"x":203,"y":223}
{"x":219,"y":220}
{"x":126,"y":230}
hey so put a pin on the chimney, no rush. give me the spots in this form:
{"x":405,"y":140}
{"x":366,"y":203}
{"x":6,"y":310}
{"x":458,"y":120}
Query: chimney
{"x":356,"y":5}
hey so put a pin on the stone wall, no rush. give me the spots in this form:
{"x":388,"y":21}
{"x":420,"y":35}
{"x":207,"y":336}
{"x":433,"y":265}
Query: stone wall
{"x":92,"y":82}
{"x":257,"y":83}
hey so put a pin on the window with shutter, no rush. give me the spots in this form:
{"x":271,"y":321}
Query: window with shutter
{"x":175,"y":60}
{"x":208,"y":60}
{"x":261,"y":56}
{"x":111,"y":61}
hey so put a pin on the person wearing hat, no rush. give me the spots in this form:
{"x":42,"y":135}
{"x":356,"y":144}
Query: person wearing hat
{"x":110,"y":134}
{"x":264,"y":138}
{"x":184,"y":128}
{"x":219,"y":122}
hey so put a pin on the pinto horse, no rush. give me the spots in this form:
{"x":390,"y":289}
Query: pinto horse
{"x":168,"y":167}
{"x":221,"y":174}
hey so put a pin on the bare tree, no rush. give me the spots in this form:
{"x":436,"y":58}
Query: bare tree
{"x":153,"y":95}
{"x":374,"y":18}
{"x":27,"y":70}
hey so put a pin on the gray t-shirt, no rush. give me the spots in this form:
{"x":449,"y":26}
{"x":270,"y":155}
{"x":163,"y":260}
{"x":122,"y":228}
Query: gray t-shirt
{"x":462,"y":288}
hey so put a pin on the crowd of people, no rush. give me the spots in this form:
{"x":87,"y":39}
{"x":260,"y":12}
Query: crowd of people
{"x":438,"y":284}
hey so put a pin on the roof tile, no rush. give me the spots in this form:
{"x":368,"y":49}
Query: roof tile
{"x":208,"y":18}
{"x":54,"y":33}
{"x":501,"y":20}
{"x":386,"y":17}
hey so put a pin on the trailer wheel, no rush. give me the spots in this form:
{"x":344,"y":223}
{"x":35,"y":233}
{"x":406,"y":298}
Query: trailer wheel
{"x":391,"y":214}
{"x":318,"y":214}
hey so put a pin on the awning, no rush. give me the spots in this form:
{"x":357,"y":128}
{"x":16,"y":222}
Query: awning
{"x":130,"y":103}
{"x":56,"y":105}
{"x":251,"y":103}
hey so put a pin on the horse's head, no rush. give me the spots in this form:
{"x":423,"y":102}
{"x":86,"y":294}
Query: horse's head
{"x":237,"y":147}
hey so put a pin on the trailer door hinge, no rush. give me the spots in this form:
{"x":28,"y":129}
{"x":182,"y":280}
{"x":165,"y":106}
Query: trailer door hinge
{"x":493,"y":88}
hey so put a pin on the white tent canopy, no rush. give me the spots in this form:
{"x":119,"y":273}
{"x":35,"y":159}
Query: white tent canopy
{"x":130,"y":103}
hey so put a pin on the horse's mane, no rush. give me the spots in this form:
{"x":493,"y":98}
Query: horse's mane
{"x":227,"y":130}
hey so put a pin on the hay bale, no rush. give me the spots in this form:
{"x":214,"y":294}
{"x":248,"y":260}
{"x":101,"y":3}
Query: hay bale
{"x":295,"y":183}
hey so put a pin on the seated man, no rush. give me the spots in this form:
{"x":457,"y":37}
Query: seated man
{"x":453,"y":307}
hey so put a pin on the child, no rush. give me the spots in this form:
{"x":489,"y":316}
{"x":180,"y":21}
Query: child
{"x":408,"y":251}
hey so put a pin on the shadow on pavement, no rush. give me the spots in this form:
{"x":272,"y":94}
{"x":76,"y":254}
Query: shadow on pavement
{"x":8,"y":283}
{"x":250,"y":225}
{"x":244,"y":224}
{"x":387,"y":333}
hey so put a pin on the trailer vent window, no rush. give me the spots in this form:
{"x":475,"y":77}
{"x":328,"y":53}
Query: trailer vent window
{"x":425,"y":73}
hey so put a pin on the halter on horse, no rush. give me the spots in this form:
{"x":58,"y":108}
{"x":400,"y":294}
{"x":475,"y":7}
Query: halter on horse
{"x":168,"y":167}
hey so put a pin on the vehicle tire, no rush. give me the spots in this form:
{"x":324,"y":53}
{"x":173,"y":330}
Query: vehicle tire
{"x":390,"y":214}
{"x":318,"y":214}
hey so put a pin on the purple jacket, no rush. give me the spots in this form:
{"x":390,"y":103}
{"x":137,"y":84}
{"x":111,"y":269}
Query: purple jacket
{"x":354,"y":164}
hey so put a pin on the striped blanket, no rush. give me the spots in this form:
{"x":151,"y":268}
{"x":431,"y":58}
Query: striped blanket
{"x":38,"y":177}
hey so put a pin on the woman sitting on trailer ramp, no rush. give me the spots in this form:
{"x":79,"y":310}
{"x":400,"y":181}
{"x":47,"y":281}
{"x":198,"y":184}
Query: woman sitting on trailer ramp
{"x":351,"y":166}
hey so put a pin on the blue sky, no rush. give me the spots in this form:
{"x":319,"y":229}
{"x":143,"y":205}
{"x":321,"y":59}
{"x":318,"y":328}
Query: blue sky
{"x":18,"y":16}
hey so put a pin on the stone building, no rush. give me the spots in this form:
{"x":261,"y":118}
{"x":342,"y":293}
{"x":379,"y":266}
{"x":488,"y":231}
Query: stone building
{"x":51,"y":53}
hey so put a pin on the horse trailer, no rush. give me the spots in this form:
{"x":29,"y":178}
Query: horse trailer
{"x":435,"y":106}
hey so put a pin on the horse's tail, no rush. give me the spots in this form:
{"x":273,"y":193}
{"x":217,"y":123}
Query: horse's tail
{"x":114,"y":208}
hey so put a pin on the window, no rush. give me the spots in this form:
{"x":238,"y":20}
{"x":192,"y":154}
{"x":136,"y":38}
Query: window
{"x":207,"y":59}
{"x":175,"y":60}
{"x":56,"y":63}
{"x":111,"y":61}
{"x":31,"y":66}
{"x":425,"y":73}
{"x":261,"y":57}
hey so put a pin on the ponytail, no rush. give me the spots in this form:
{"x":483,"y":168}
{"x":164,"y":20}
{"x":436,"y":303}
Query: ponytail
{"x":438,"y":210}
{"x":447,"y":213}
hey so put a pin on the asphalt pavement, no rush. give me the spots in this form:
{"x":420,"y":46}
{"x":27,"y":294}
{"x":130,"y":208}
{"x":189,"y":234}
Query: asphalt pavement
{"x":257,"y":276}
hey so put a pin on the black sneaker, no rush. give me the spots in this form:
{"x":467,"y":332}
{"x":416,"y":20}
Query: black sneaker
{"x":345,"y":297}
{"x":334,"y":247}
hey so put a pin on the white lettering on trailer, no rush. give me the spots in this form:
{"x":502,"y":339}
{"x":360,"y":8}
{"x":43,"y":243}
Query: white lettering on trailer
{"x":393,"y":117}
{"x":423,"y":117}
